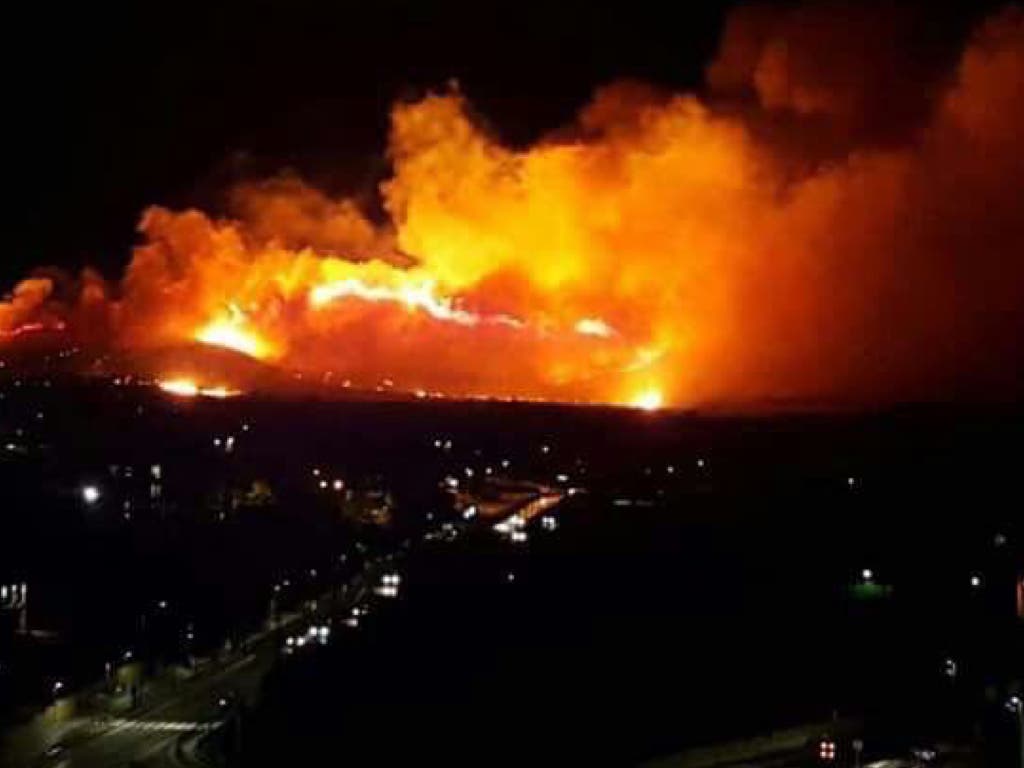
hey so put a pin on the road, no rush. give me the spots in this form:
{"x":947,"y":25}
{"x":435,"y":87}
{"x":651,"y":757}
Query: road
{"x":165,"y":732}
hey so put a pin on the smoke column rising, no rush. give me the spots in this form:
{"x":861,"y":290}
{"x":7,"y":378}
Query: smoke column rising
{"x":835,"y":219}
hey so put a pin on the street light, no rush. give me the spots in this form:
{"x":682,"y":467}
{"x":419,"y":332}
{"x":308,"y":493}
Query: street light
{"x":1016,"y":705}
{"x":90,"y":494}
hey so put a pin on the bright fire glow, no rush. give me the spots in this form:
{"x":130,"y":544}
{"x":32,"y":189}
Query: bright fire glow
{"x":218,"y":392}
{"x":414,"y":295}
{"x":593,"y":326}
{"x":189,"y":388}
{"x":180,"y":387}
{"x":662,"y":249}
{"x":231,"y":335}
{"x":648,"y":400}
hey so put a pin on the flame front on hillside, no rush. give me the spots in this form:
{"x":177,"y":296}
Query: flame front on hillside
{"x":710,"y":247}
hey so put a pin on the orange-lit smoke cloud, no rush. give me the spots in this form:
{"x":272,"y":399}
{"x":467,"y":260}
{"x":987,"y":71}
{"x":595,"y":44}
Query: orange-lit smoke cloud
{"x":832,"y":220}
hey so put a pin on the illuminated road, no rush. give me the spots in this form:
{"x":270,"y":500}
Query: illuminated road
{"x":165,"y":733}
{"x":148,"y":738}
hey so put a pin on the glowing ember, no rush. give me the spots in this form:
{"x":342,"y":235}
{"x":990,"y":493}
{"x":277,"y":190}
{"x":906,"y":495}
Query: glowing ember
{"x":648,"y":400}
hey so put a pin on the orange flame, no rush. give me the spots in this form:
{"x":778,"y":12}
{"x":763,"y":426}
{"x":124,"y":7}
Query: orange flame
{"x":662,"y":250}
{"x":232,"y":333}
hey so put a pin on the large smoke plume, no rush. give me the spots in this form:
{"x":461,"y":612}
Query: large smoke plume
{"x":838,"y":217}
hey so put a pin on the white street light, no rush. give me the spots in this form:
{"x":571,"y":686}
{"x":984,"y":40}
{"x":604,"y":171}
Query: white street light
{"x":90,"y":494}
{"x":1016,"y":705}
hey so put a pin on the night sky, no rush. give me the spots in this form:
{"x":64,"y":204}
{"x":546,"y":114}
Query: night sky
{"x":110,"y":110}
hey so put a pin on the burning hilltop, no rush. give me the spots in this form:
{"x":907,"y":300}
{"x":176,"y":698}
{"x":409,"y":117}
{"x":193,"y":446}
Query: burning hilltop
{"x":789,"y":234}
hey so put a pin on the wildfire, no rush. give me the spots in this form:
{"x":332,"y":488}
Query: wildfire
{"x":28,"y":328}
{"x":594,"y":326}
{"x":647,"y":400}
{"x":231,"y":334}
{"x":779,"y":240}
{"x":414,"y":296}
{"x":189,"y":388}
{"x":180,"y":387}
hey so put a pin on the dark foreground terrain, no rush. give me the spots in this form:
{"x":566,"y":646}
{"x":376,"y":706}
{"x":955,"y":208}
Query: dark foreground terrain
{"x":707,"y":578}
